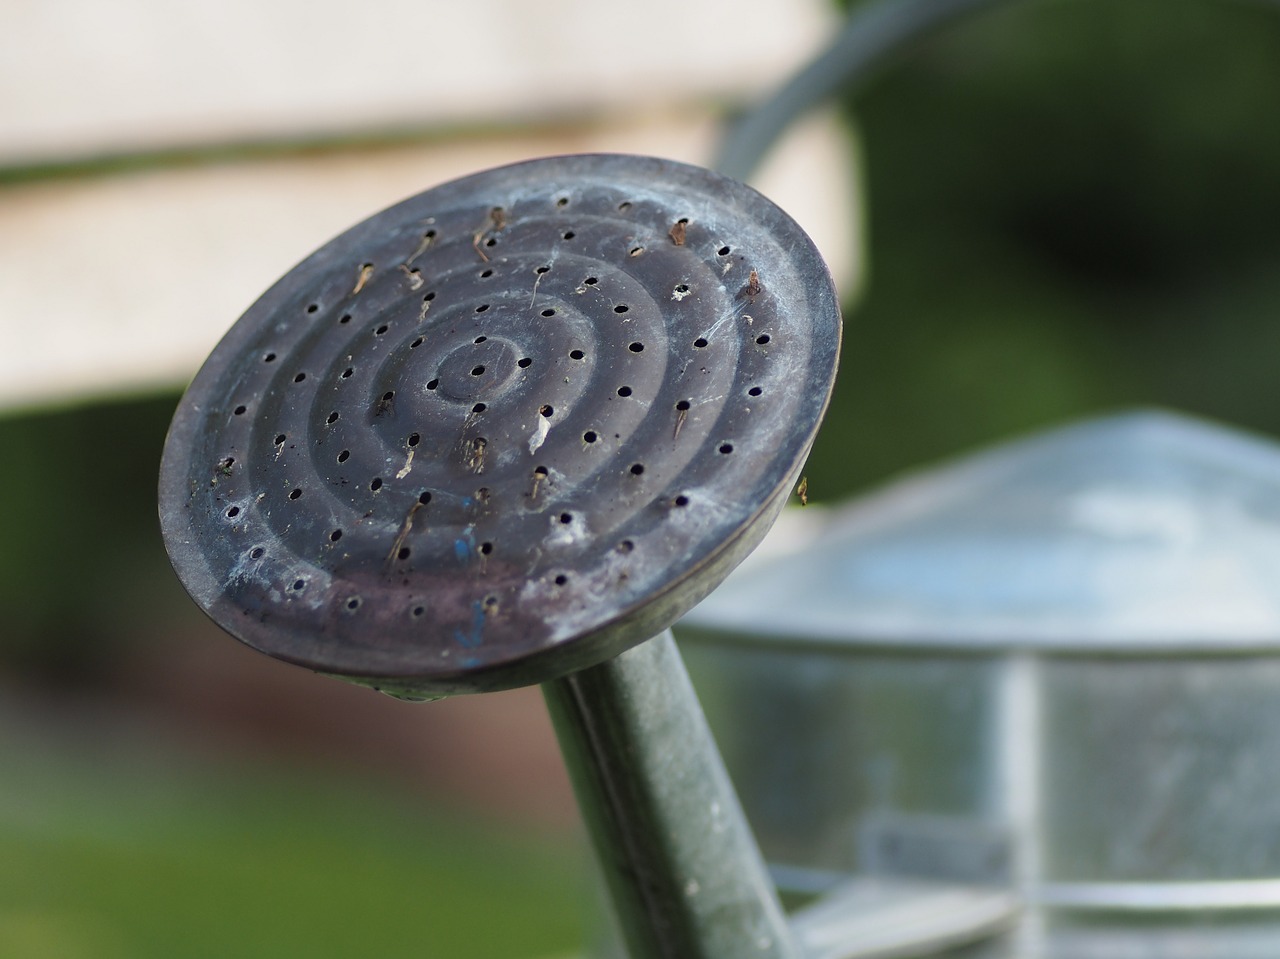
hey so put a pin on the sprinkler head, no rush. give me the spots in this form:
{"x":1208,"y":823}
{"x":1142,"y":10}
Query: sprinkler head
{"x":503,"y":430}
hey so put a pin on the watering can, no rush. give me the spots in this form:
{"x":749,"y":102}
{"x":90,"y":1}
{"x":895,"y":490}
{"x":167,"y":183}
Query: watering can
{"x":511,"y":430}
{"x":1024,"y":703}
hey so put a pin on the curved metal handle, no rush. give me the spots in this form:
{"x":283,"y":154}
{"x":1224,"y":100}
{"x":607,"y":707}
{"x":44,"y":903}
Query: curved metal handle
{"x":872,"y":33}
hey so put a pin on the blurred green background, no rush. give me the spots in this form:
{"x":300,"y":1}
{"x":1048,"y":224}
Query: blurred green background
{"x":1073,"y":207}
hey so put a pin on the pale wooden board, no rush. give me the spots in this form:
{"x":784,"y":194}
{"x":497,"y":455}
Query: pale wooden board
{"x":125,"y":282}
{"x":80,"y":77}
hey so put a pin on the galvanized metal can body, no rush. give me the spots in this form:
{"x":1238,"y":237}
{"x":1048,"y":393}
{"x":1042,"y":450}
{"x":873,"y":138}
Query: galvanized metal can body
{"x":1050,"y":670}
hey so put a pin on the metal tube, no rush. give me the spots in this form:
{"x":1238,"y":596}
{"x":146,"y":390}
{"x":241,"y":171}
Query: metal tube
{"x":684,"y":872}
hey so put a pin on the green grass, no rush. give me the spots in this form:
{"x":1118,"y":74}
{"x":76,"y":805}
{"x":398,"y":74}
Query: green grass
{"x":133,"y":856}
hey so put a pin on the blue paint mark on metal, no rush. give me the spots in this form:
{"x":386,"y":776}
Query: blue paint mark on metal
{"x":464,"y":547}
{"x":475,"y":636}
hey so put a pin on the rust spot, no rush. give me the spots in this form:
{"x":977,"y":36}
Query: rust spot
{"x":677,"y":233}
{"x":405,"y":527}
{"x":414,"y":276}
{"x":753,"y":287}
{"x":428,"y":239}
{"x":484,"y":237}
{"x":475,"y":459}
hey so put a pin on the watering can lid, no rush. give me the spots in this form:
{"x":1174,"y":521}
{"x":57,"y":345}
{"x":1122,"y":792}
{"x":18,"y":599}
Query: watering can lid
{"x":1146,"y":531}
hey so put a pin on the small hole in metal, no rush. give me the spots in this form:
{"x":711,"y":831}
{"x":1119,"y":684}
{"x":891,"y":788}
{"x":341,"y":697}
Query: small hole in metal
{"x":344,"y":456}
{"x":233,"y":512}
{"x":381,"y":329}
{"x":624,"y":391}
{"x":637,"y":469}
{"x":313,"y":307}
{"x":576,"y":354}
{"x":726,"y":448}
{"x":419,"y":611}
{"x":682,"y":405}
{"x":569,"y":234}
{"x":540,"y":471}
{"x":345,"y":318}
{"x":723,"y":251}
{"x":621,"y":308}
{"x":524,"y":362}
{"x":635,"y":251}
{"x":590,"y":436}
{"x":754,"y":391}
{"x":239,"y":411}
{"x":485,"y":274}
{"x":479,"y":339}
{"x":299,"y":585}
{"x":591,"y":280}
{"x":477,"y":370}
{"x":432,"y":384}
{"x":682,"y":500}
{"x":561,"y":579}
{"x":347,"y":373}
{"x":424,"y":497}
{"x":353,"y":602}
{"x":257,"y":552}
{"x":563,"y":201}
{"x":300,"y":377}
{"x":492,"y":241}
{"x":636,"y":347}
{"x":486,"y":549}
{"x":479,"y":408}
{"x":682,"y":288}
{"x":482,"y":307}
{"x":543,"y":269}
{"x":296,"y":493}
{"x":375,"y":484}
{"x":624,"y":206}
{"x":335,"y":536}
{"x":332,"y":418}
{"x":546,"y":410}
{"x":566,"y":518}
{"x":404,"y":552}
{"x":700,"y":342}
{"x":626,"y":546}
{"x":430,"y":295}
{"x":414,"y":439}
{"x":269,"y":358}
{"x":762,"y":339}
{"x":416,"y":343}
{"x":548,"y":312}
{"x":280,"y":438}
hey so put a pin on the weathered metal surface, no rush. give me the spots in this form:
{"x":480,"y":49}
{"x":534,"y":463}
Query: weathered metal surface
{"x":504,"y":429}
{"x":1048,"y":669}
{"x":683,"y":868}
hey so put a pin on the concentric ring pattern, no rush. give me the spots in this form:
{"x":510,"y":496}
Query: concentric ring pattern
{"x":467,"y":441}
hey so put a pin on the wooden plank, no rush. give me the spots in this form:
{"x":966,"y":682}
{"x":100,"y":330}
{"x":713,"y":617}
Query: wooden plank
{"x":80,"y":78}
{"x":125,"y":282}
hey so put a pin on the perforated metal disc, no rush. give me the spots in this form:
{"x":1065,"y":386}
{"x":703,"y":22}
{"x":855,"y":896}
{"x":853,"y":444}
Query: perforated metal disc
{"x":504,"y":429}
